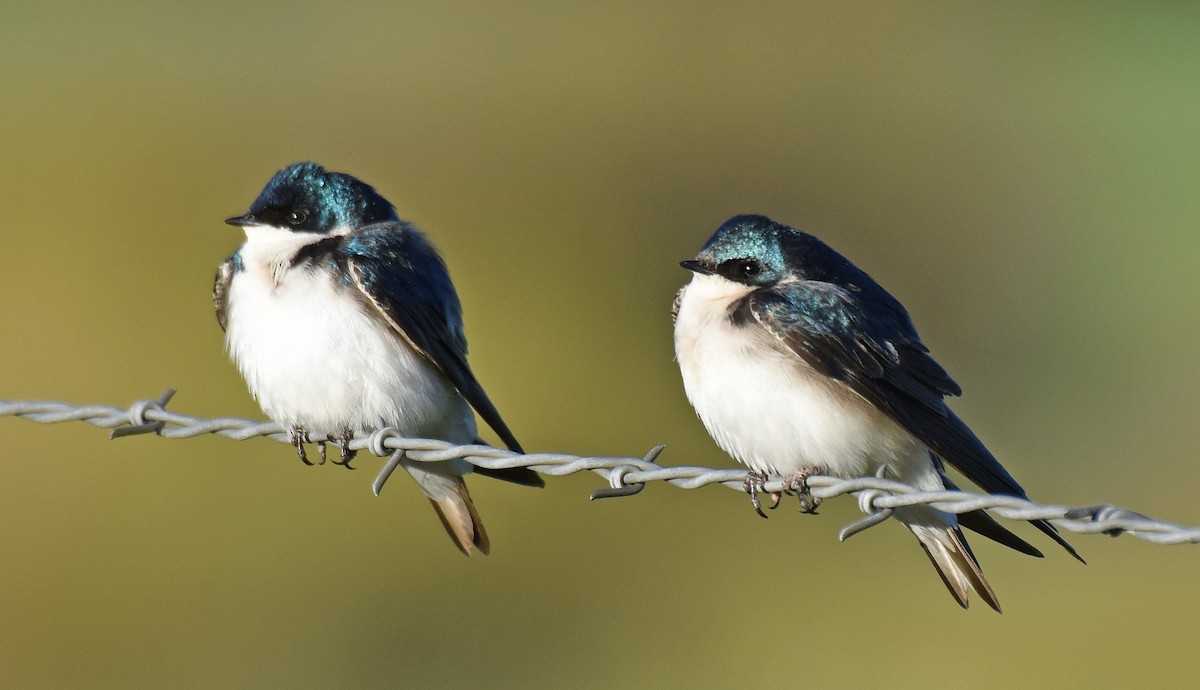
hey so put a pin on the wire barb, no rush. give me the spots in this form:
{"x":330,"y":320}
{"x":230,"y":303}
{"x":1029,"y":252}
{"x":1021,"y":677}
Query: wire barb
{"x":616,"y":478}
{"x":626,"y":476}
{"x":385,"y":474}
{"x":137,"y":417}
{"x":866,"y":503}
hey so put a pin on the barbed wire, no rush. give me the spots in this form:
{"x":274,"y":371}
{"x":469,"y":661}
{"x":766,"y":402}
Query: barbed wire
{"x":626,"y":476}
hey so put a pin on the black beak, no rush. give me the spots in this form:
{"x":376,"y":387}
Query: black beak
{"x":696,"y":267}
{"x":241,"y":221}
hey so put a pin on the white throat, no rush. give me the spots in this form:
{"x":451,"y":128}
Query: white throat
{"x":715,"y":288}
{"x":270,"y":249}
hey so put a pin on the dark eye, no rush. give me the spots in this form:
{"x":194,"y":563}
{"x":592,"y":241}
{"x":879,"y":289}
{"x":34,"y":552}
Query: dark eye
{"x":740,"y":269}
{"x":297,"y":217}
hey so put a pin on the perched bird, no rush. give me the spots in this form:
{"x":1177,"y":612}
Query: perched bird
{"x":799,"y":363}
{"x":342,"y":319}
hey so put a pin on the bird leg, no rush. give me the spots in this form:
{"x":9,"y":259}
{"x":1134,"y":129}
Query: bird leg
{"x":797,"y":485}
{"x":298,"y":438}
{"x":755,"y":481}
{"x":344,"y":442}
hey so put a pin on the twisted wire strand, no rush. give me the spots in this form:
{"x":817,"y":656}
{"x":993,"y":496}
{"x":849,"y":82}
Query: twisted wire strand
{"x":877,"y":496}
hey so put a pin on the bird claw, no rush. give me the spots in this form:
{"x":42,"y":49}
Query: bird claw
{"x":298,"y":437}
{"x":753,"y":485}
{"x":347,"y":454}
{"x":797,"y":485}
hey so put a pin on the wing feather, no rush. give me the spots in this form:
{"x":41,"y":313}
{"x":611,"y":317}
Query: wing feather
{"x":872,"y":347}
{"x":225,"y":274}
{"x":420,"y":307}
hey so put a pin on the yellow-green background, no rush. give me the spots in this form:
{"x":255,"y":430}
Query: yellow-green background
{"x":1024,"y":177}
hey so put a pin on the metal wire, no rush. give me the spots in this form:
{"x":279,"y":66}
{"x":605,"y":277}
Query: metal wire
{"x":626,"y":476}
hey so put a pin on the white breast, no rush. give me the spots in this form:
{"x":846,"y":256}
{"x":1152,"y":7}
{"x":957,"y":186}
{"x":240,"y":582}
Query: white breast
{"x":314,"y":357}
{"x":771,"y":411}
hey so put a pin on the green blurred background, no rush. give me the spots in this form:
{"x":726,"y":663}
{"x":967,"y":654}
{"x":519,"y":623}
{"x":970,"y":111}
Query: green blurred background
{"x":1023,"y":176}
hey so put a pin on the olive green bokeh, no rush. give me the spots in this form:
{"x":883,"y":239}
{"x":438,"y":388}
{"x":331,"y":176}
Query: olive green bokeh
{"x":1023,"y":176}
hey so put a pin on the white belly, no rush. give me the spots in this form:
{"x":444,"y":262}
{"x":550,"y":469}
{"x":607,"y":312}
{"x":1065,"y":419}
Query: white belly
{"x":313,"y":357}
{"x":772,"y":412}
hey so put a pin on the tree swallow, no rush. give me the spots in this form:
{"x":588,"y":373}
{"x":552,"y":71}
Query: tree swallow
{"x":342,"y":319}
{"x":798,"y":362}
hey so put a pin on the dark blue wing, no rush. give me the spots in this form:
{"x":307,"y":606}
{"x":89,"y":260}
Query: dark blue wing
{"x":870,"y":345}
{"x":420,"y":305}
{"x":225,"y":273}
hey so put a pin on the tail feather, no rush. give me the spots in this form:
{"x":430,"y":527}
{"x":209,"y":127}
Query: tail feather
{"x":952,"y":558}
{"x":447,"y":492}
{"x":462,"y":523}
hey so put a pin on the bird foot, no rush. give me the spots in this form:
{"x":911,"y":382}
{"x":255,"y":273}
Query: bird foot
{"x":298,"y":438}
{"x":755,"y":481}
{"x":797,"y":485}
{"x":343,"y":442}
